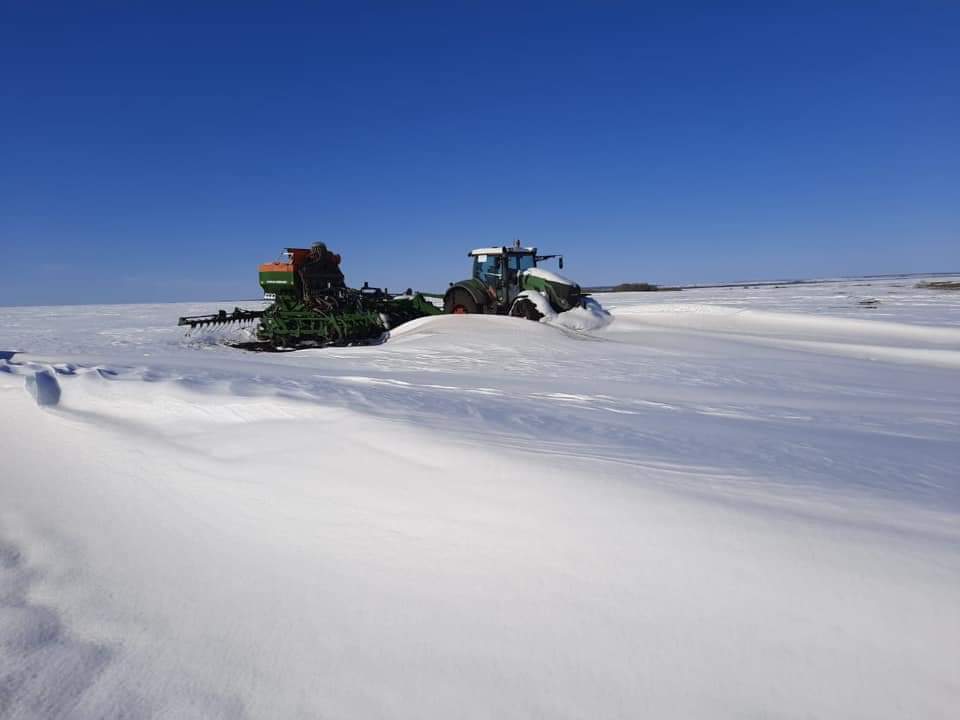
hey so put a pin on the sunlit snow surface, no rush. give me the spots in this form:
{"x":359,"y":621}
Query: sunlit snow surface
{"x":727,"y":503}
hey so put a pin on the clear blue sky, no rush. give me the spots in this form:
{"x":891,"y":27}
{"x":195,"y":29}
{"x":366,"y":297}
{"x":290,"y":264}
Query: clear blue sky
{"x":160,"y":151}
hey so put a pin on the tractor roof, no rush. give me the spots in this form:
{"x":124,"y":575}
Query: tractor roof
{"x":503,"y":250}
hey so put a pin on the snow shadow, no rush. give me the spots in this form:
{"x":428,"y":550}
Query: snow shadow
{"x":43,"y":672}
{"x":47,"y":674}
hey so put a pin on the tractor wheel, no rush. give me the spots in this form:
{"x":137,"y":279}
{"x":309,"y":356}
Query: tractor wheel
{"x":460,"y":302}
{"x":526,"y":309}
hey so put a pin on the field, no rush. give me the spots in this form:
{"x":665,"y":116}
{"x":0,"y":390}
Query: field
{"x":728,"y":503}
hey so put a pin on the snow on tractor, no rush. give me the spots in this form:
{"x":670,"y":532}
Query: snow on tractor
{"x":507,"y":281}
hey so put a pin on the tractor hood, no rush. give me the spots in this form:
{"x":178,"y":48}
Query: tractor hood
{"x":563,"y":294}
{"x":548,"y":276}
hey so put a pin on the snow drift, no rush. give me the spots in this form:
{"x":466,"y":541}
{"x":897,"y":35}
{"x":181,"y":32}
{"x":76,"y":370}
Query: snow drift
{"x":590,"y":316}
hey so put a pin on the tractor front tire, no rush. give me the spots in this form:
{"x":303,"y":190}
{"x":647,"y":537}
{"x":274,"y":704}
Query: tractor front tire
{"x":460,"y":302}
{"x":525,"y":308}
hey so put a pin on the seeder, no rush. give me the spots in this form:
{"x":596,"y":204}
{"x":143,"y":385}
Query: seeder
{"x":313,"y":307}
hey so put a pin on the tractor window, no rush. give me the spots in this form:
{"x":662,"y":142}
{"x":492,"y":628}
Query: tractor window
{"x":486,"y":269}
{"x":519,"y":263}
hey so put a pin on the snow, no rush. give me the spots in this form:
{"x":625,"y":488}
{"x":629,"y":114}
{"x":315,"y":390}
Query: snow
{"x":44,"y":387}
{"x":725,"y":503}
{"x":548,"y":276}
{"x":591,"y":315}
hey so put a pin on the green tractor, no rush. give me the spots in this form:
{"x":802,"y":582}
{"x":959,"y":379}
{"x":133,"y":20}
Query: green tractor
{"x":507,"y":281}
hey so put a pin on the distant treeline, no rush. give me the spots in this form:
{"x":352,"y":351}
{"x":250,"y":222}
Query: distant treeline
{"x":939,"y":285}
{"x":633,"y":287}
{"x":947,"y":284}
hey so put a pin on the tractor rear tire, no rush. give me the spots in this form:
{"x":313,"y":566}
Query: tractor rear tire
{"x":526,"y":309}
{"x":460,"y":302}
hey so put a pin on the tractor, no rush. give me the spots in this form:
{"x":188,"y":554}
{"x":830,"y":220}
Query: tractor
{"x":506,"y":281}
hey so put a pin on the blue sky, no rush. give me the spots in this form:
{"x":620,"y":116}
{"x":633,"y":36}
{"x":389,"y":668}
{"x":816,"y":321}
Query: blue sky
{"x":160,"y":151}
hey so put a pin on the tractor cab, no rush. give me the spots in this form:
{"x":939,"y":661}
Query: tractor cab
{"x":499,"y":268}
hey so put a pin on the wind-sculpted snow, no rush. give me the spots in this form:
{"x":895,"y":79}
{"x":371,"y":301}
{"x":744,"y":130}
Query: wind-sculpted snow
{"x":710,"y":507}
{"x":590,"y":316}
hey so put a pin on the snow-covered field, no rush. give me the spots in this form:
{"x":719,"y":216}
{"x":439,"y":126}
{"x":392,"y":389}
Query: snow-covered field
{"x":729,"y":503}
